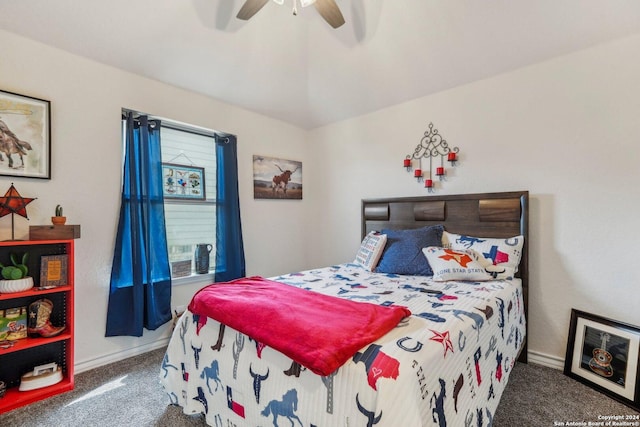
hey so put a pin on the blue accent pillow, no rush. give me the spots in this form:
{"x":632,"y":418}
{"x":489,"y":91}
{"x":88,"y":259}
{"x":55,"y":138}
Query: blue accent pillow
{"x":403,"y":252}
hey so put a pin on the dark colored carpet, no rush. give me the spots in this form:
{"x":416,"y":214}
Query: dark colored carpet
{"x":128,"y":394}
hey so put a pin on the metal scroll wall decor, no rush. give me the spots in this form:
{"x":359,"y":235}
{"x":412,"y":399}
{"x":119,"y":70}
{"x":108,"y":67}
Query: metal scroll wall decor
{"x":434,"y":148}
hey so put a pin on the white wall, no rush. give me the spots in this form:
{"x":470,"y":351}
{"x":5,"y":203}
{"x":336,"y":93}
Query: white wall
{"x":567,"y":130}
{"x":86,"y":100}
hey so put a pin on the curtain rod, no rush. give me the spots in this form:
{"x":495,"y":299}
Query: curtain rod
{"x":185,"y":127}
{"x":152,"y":122}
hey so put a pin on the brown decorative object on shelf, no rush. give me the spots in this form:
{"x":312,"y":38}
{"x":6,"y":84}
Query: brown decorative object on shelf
{"x":53,"y":270}
{"x":59,"y":219}
{"x":54,"y":232}
{"x":39,"y":323}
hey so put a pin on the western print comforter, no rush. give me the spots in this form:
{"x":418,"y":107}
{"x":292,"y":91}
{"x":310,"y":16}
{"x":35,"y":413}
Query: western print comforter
{"x":446,"y":364}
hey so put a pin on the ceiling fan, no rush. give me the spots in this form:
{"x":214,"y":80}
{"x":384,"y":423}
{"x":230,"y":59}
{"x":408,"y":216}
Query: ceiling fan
{"x":328,"y":9}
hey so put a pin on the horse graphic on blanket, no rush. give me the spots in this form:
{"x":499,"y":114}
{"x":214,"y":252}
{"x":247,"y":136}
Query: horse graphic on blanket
{"x":212,"y":372}
{"x":284,"y":408}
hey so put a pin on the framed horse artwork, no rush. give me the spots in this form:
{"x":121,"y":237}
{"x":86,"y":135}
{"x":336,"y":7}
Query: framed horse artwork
{"x":604,"y":354}
{"x":25,"y":136}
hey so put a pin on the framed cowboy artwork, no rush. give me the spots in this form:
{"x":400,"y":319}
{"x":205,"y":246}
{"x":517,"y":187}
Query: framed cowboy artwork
{"x":604,"y":354}
{"x":25,"y":136}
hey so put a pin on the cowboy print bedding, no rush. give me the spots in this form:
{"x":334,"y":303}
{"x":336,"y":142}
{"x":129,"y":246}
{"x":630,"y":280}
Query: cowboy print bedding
{"x":446,"y":364}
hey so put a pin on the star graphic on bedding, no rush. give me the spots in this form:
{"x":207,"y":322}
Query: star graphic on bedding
{"x":459,"y":257}
{"x":444,"y":339}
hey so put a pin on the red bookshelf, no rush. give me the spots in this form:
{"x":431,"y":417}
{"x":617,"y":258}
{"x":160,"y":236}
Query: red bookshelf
{"x":26,"y":353}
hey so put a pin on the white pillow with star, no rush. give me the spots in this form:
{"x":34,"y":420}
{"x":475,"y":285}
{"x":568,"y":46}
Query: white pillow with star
{"x":457,"y":264}
{"x":504,"y":254}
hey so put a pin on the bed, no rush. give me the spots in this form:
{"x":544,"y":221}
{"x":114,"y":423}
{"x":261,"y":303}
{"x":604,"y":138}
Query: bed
{"x":446,"y":362}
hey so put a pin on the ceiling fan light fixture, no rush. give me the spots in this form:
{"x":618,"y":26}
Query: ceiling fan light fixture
{"x":328,"y":9}
{"x":304,"y":3}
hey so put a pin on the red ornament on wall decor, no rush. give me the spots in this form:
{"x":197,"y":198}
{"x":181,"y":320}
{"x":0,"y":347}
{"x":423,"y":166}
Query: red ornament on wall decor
{"x":432,"y":146}
{"x":428,"y":184}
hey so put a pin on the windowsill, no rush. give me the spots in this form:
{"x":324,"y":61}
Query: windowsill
{"x":205,"y":279}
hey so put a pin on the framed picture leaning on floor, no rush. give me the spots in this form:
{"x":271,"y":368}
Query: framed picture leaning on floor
{"x":604,"y":354}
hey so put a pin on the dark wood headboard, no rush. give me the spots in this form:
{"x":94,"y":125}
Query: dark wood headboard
{"x":482,"y":215}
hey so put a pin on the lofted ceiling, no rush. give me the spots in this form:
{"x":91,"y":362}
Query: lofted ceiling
{"x":300,"y":70}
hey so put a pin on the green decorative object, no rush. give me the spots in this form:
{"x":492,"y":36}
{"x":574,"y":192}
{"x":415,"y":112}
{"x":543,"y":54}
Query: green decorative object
{"x":13,"y":278}
{"x":16,"y":271}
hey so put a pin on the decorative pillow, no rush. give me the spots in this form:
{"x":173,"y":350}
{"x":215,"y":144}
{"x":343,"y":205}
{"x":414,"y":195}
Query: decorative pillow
{"x":403,"y":253}
{"x":370,"y":250}
{"x":504,"y":254}
{"x":456,"y":264}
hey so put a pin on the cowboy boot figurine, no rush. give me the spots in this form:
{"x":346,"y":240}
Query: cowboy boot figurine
{"x":38,"y":323}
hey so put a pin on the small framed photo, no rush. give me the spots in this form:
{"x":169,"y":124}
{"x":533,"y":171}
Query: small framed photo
{"x":25,"y":132}
{"x":45,"y":369}
{"x":181,"y":268}
{"x":604,"y":354}
{"x":183,"y":182}
{"x":53,"y":270}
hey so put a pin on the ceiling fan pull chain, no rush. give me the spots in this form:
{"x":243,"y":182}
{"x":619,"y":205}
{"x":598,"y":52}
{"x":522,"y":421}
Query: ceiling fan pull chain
{"x":295,"y":8}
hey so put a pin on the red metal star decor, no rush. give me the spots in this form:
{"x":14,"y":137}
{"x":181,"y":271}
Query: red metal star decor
{"x":14,"y":203}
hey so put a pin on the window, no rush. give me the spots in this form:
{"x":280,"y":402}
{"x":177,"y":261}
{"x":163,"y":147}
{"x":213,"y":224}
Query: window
{"x":190,"y":222}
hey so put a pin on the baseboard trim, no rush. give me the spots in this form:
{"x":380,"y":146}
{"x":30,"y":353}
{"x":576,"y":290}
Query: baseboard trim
{"x":547,"y":360}
{"x":120,"y":355}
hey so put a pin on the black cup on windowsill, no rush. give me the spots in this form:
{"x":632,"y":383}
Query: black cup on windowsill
{"x":202,"y":257}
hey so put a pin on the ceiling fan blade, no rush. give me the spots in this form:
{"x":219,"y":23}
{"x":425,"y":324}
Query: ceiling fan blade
{"x":250,"y":8}
{"x":330,"y":12}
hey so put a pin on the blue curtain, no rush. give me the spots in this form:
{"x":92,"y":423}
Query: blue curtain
{"x":229,"y":247}
{"x":140,"y":293}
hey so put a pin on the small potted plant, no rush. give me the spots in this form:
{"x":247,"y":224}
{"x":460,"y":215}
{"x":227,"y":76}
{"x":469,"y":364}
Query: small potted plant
{"x":14,"y":277}
{"x":59,"y":219}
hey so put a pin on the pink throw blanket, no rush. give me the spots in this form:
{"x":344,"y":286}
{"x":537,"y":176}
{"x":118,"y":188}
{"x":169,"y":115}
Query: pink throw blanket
{"x":318,"y":331}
